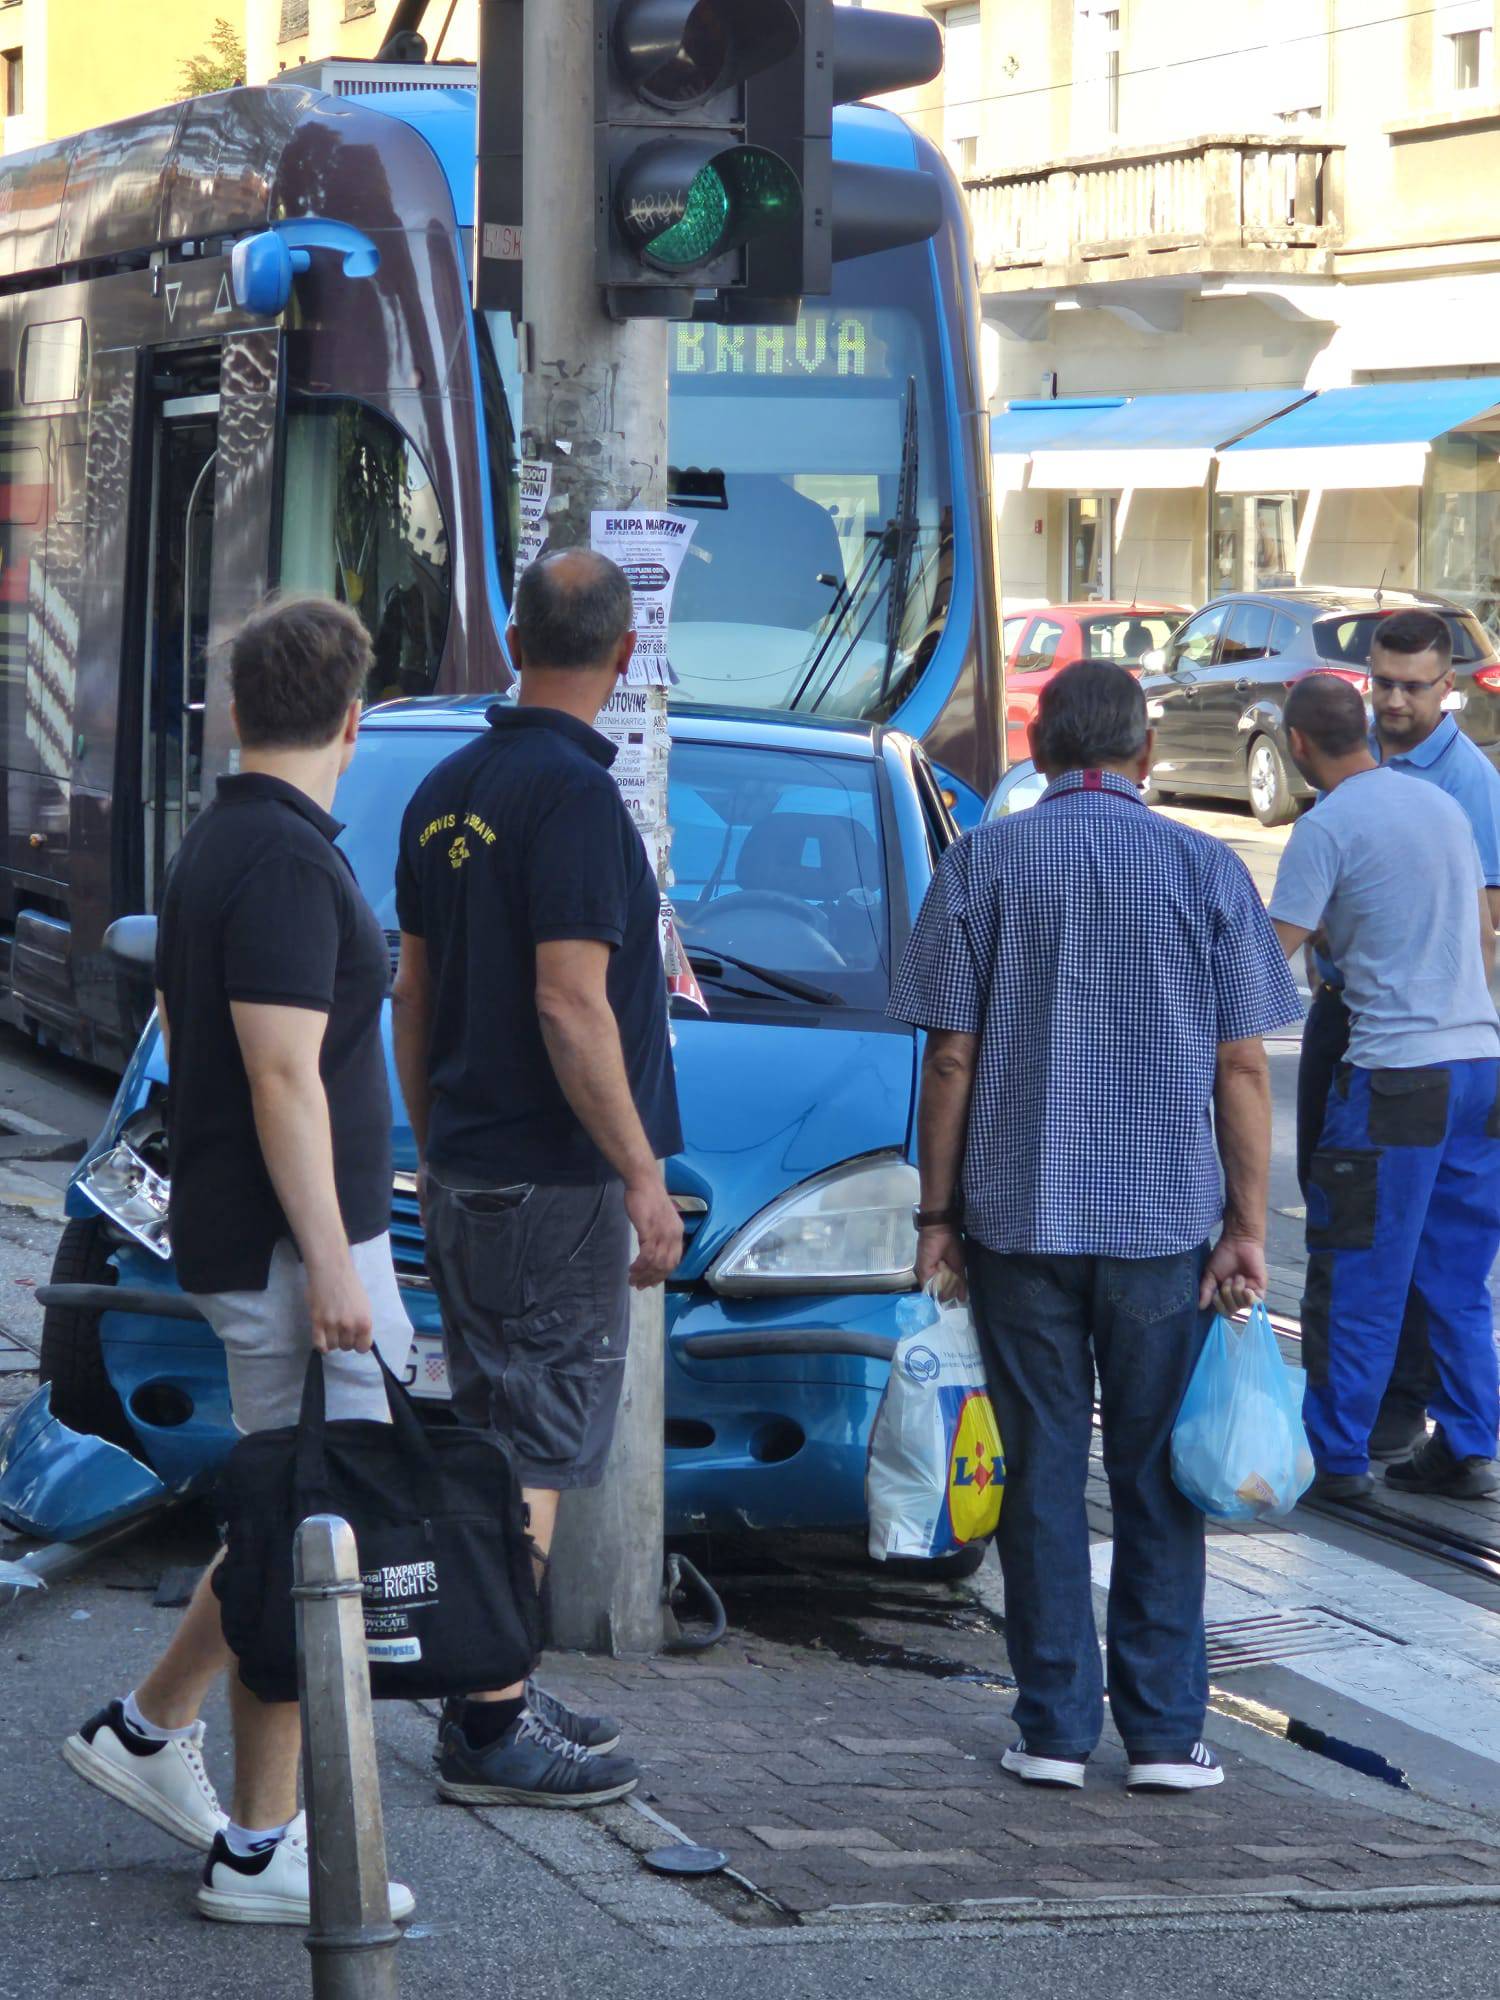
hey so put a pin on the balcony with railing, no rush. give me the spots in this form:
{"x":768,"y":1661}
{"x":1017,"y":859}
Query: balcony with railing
{"x":1221,"y":205}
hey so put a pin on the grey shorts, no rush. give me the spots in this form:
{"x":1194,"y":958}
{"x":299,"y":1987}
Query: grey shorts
{"x":534,"y":1287}
{"x":267,"y":1338}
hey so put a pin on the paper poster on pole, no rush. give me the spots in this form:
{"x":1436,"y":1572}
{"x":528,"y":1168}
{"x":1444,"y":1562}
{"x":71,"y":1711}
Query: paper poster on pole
{"x":636,"y":724}
{"x":536,"y":491}
{"x":650,"y":549}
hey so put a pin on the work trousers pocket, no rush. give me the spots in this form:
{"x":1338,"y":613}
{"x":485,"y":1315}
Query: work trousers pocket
{"x":1341,"y":1199}
{"x":1409,"y":1107}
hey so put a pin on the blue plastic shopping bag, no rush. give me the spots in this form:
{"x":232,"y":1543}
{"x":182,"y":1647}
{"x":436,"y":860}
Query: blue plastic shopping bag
{"x":1239,"y":1449}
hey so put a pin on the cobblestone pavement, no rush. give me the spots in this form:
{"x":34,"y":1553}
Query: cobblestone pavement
{"x":842,"y":1746}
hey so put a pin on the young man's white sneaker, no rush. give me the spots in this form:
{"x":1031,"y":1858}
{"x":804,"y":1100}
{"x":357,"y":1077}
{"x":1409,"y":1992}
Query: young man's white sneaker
{"x":164,"y":1781}
{"x":271,"y":1887}
{"x":1042,"y":1770}
{"x":1194,"y":1773}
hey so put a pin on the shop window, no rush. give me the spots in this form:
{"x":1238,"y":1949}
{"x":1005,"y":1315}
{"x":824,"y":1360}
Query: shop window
{"x":1091,"y":523}
{"x":1460,"y":555}
{"x":361,"y":522}
{"x":1255,"y":541}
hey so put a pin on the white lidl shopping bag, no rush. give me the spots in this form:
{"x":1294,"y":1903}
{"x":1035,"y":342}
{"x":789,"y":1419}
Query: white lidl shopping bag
{"x":935,"y":1472}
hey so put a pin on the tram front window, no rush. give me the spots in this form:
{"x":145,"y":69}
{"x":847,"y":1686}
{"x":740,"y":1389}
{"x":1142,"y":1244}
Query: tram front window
{"x":814,"y":461}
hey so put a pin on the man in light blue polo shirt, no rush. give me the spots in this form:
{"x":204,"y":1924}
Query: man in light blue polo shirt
{"x":1404,"y":1188}
{"x":1411,"y":673}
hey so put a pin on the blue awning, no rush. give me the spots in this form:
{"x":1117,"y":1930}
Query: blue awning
{"x":1140,"y":441}
{"x":1375,"y":435}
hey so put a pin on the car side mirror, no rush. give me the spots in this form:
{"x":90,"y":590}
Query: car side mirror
{"x":1021,"y":787}
{"x":1152,"y":662}
{"x":132,"y":940}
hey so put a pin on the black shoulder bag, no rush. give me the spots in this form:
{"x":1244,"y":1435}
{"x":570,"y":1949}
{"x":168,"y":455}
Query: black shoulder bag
{"x":450,"y":1599}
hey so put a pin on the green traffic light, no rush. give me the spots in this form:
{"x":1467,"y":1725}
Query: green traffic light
{"x":739,"y":195}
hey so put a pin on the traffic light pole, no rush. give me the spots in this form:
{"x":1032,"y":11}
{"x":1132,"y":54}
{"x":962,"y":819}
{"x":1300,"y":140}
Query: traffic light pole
{"x":595,"y":410}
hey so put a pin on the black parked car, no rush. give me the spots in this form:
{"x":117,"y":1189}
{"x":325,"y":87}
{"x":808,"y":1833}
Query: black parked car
{"x":1215,"y":691}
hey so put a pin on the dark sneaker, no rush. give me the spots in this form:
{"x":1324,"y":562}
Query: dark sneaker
{"x":590,"y":1732}
{"x":530,"y":1765}
{"x":1042,"y":1770}
{"x":593,"y":1732}
{"x":1342,"y":1486}
{"x":1398,"y":1433}
{"x":1435,"y":1469}
{"x":1193,"y":1773}
{"x":165,"y":1782}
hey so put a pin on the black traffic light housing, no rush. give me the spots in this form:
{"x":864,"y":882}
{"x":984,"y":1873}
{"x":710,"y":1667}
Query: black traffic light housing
{"x":679,"y":191}
{"x":714,"y":151}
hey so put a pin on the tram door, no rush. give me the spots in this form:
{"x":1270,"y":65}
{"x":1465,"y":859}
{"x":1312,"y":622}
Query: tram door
{"x":175,"y":648}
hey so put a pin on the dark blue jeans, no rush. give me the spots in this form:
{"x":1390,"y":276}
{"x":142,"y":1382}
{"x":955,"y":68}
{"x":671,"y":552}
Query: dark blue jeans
{"x":1046,"y":1324}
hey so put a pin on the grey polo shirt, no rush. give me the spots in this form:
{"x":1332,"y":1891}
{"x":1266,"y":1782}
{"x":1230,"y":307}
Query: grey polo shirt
{"x":1391,"y":872}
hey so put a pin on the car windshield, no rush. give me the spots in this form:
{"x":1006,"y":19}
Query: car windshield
{"x":813,"y":460}
{"x":1127,"y":636}
{"x":1350,"y":638}
{"x":776,"y":855}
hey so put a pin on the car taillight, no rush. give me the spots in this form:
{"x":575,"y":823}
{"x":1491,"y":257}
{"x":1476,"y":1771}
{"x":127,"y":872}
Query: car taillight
{"x":1488,"y":678}
{"x":1349,"y":674}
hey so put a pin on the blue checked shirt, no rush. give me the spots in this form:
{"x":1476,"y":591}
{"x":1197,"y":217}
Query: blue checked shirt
{"x":1101,"y":952}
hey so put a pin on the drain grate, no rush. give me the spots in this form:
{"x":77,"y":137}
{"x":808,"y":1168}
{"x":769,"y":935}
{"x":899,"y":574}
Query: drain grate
{"x":1265,"y":1639}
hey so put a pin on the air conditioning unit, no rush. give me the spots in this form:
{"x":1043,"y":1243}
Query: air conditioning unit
{"x":346,"y":76}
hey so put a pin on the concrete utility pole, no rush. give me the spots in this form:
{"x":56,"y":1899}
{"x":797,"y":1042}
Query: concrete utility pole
{"x":595,"y":410}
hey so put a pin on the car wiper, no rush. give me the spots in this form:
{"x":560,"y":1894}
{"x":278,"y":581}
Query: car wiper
{"x":712,"y":962}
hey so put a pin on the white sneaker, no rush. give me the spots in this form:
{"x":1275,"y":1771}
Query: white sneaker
{"x":166,"y":1782}
{"x":271,"y":1887}
{"x":1200,"y":1770}
{"x":1041,"y":1770}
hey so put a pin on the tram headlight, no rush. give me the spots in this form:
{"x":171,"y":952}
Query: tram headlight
{"x":132,"y":1194}
{"x":848,"y":1230}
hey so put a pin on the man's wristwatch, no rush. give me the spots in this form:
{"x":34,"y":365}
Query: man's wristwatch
{"x":935,"y":1218}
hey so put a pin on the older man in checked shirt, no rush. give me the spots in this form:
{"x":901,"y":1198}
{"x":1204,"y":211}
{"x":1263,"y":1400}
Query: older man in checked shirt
{"x":1095,"y":981}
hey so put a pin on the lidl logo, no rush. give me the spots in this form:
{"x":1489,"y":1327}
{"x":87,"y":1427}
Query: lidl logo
{"x":976,"y":1470}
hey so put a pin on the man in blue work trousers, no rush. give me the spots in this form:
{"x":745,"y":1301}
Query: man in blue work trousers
{"x":1404,"y":1186}
{"x":1411,"y":676}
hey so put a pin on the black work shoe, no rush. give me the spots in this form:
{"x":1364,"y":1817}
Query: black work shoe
{"x":530,"y":1765}
{"x":1435,"y":1469}
{"x":1342,"y":1486}
{"x":593,"y":1732}
{"x":1398,"y":1433}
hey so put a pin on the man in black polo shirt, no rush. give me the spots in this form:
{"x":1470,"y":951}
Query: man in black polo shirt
{"x":533,"y":1049}
{"x":271,"y":972}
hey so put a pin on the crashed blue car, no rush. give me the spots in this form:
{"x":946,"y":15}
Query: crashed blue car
{"x":801,"y":854}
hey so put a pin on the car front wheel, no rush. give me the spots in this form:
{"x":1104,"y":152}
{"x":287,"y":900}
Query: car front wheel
{"x":1270,"y":784}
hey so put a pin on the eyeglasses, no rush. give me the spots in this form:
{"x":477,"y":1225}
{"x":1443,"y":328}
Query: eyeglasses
{"x":1411,"y":689}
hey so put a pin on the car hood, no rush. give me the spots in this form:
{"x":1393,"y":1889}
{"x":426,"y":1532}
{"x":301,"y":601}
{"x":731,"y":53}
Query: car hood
{"x":766,"y":1107}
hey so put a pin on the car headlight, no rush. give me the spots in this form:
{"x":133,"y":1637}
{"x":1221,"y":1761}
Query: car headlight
{"x":132,"y":1194}
{"x":849,"y":1230}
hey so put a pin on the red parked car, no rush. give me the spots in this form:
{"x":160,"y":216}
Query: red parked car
{"x":1039,"y":644}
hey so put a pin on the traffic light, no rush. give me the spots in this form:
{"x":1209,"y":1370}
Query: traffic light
{"x":714,"y":149}
{"x":680,"y":192}
{"x":848,"y":209}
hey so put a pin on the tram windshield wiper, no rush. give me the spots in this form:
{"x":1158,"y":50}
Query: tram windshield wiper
{"x":712,"y":963}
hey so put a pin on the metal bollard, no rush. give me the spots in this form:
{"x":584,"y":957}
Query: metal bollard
{"x":352,"y":1939}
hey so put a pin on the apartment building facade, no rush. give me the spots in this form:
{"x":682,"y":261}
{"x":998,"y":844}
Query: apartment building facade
{"x":1241,"y":276}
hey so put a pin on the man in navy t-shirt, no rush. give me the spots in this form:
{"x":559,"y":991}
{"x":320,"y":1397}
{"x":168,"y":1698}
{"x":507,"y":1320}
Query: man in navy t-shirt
{"x":533,"y":1048}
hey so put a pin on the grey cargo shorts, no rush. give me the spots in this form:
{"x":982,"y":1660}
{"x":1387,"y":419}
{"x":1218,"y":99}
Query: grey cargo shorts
{"x":533,"y":1282}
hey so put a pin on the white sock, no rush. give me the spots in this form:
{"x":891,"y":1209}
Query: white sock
{"x":247,"y":1840}
{"x":152,"y":1731}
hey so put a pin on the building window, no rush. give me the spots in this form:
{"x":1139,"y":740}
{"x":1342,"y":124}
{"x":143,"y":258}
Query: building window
{"x":1109,"y":24}
{"x":15,"y":82}
{"x":293,"y":20}
{"x":1470,"y":57}
{"x":354,"y":10}
{"x":1097,"y":43}
{"x":1462,"y":47}
{"x":962,"y":87}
